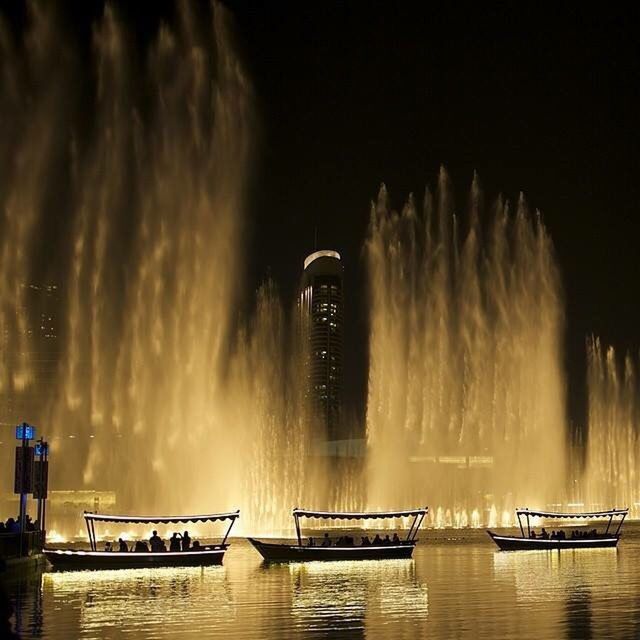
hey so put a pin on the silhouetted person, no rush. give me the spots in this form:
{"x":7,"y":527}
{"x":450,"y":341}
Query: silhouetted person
{"x":28,"y":524}
{"x":122,"y":546}
{"x":387,"y":540}
{"x":3,"y":529}
{"x":12,"y":526}
{"x":312,"y":542}
{"x":544,"y":534}
{"x":174,"y":542}
{"x":107,"y":546}
{"x":554,"y":535}
{"x":196,"y":545}
{"x":396,"y":539}
{"x":533,"y":534}
{"x":186,"y":541}
{"x":562,"y":535}
{"x":155,"y":542}
{"x":326,"y":541}
{"x":365,"y":541}
{"x":377,"y":541}
{"x":141,"y":547}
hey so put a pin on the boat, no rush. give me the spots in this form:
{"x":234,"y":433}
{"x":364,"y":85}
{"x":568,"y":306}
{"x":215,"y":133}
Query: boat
{"x":607,"y":538}
{"x":299,"y":552}
{"x":205,"y":555}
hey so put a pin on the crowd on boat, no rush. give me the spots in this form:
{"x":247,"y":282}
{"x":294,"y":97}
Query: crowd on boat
{"x":576,"y":534}
{"x":349,"y":541}
{"x":177,"y":542}
{"x":12,"y":525}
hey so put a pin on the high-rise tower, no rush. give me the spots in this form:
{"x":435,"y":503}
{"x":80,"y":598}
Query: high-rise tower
{"x":321,"y":299}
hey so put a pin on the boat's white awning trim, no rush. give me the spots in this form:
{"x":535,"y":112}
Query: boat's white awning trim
{"x":360,"y":515}
{"x":567,"y":516}
{"x":210,"y":517}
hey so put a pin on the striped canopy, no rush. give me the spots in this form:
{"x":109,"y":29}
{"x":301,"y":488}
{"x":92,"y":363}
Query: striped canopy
{"x":211,"y":517}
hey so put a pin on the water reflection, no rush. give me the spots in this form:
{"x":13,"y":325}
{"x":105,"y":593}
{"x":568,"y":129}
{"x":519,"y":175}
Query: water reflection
{"x":451,"y":589}
{"x":362,"y":599}
{"x":161,"y":602}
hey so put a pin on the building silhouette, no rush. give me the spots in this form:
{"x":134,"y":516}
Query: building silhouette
{"x":321,"y":302}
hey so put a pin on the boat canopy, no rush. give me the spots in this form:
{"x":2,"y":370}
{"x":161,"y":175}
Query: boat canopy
{"x":211,"y":517}
{"x":611,"y":514}
{"x":91,"y":518}
{"x":566,"y":516}
{"x":418,"y":516}
{"x":359,"y":515}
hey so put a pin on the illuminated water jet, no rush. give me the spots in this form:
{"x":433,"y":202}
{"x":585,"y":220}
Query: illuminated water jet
{"x":466,"y":393}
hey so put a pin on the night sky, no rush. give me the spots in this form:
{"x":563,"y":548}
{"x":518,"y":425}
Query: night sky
{"x":349,"y":95}
{"x":544,"y":102}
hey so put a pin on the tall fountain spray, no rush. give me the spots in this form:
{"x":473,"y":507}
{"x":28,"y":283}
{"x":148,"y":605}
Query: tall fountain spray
{"x":611,"y":476}
{"x":160,"y":392}
{"x":466,"y":402}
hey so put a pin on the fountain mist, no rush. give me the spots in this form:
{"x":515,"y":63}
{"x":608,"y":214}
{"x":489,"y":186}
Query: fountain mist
{"x":466,"y":397}
{"x":158,"y":394}
{"x":613,"y":449}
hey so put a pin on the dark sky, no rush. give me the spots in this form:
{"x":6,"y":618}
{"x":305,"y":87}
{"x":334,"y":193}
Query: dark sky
{"x":352,"y":94}
{"x":545,"y":102}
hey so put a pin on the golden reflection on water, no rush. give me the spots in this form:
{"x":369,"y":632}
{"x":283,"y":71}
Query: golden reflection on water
{"x":359,"y":596}
{"x":536,"y":574}
{"x":156,"y":600}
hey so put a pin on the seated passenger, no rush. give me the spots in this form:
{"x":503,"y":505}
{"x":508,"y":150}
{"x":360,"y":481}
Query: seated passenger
{"x":533,"y":534}
{"x":326,"y":541}
{"x":377,"y":541}
{"x":544,"y":534}
{"x":387,"y":540}
{"x":562,"y":535}
{"x":196,"y":545}
{"x":554,"y":535}
{"x":186,"y":541}
{"x":174,"y":542}
{"x":365,"y":541}
{"x":107,"y":546}
{"x":395,"y":539}
{"x":141,"y":547}
{"x":155,"y":542}
{"x":348,"y":541}
{"x":122,"y":546}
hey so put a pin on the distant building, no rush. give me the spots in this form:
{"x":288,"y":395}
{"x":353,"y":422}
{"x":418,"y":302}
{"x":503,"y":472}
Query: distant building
{"x":321,"y":301}
{"x":30,"y":348}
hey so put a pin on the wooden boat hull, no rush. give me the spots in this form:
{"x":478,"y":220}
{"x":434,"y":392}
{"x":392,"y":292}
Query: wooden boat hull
{"x":516,"y":543}
{"x":294,"y":553}
{"x":72,"y":560}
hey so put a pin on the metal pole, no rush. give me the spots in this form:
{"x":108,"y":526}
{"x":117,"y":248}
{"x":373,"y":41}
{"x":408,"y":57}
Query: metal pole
{"x":415,"y":519}
{"x":624,"y":515}
{"x":41,"y":456}
{"x":44,"y":500}
{"x":295,"y":517}
{"x":226,"y":535}
{"x":608,"y":524}
{"x":23,"y":495}
{"x":520,"y":523}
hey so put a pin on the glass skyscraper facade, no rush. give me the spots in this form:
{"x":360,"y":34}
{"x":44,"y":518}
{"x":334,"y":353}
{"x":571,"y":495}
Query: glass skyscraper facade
{"x":321,"y":300}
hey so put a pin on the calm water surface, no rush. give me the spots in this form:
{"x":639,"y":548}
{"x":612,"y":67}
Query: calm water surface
{"x":457,"y":586}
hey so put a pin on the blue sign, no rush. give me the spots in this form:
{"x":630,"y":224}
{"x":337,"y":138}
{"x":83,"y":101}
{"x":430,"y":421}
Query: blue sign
{"x":41,"y":448}
{"x":25,"y":431}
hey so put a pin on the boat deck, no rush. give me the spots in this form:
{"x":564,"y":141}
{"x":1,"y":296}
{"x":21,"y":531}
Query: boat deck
{"x":69,"y":559}
{"x":274,"y":552}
